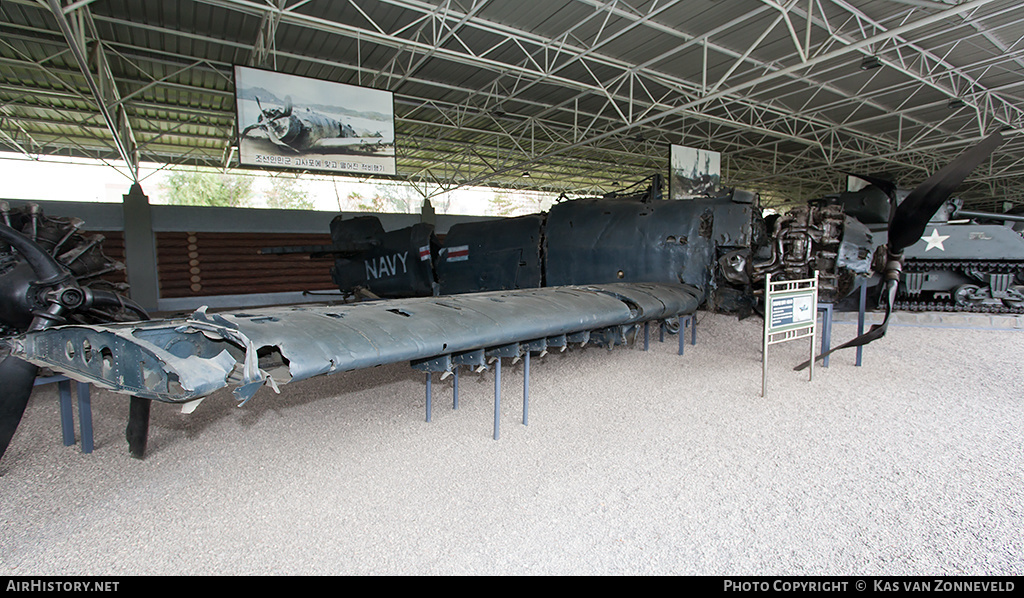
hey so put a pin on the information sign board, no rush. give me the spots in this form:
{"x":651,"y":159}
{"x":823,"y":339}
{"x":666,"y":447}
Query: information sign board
{"x":791,"y":309}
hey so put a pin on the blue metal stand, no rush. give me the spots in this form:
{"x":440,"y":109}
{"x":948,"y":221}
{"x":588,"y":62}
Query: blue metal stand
{"x":455,"y":388}
{"x":67,"y":419}
{"x":684,"y":321}
{"x":429,"y":378}
{"x":497,"y":395}
{"x":526,"y":386}
{"x":826,"y":330}
{"x":860,"y":316}
{"x":85,"y":417}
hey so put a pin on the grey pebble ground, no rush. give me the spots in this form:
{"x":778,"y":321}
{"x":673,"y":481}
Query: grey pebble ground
{"x":633,"y":462}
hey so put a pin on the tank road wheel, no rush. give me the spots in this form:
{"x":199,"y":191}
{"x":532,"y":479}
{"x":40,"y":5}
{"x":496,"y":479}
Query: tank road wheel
{"x":966,"y":295}
{"x":1015,"y":296}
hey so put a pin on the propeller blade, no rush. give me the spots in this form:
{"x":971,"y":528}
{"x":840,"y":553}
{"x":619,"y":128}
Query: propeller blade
{"x":886,"y":186}
{"x":913,"y":214}
{"x":246,"y":130}
{"x":877,"y":331}
{"x":17,"y":377}
{"x":908,"y":221}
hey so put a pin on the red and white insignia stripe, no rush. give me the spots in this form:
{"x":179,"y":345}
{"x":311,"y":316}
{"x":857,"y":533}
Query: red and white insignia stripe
{"x":458,"y":254}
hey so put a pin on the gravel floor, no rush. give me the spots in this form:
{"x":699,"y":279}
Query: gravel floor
{"x":632,"y":463}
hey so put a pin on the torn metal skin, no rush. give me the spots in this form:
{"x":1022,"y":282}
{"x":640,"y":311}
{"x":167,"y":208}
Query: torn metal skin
{"x":182,"y":360}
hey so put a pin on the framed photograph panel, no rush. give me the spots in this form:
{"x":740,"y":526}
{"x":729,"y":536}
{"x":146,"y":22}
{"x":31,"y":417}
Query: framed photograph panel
{"x":297,"y":123}
{"x":694,"y":172}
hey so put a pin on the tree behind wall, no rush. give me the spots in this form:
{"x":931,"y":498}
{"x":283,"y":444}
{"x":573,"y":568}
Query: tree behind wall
{"x":210,"y":188}
{"x":198,"y":188}
{"x":288,"y":193}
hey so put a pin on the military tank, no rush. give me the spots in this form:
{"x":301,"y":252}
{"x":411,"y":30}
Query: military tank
{"x":965,"y":261}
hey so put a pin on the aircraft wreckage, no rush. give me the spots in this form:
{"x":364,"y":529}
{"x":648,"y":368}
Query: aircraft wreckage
{"x":182,"y":360}
{"x":56,"y":316}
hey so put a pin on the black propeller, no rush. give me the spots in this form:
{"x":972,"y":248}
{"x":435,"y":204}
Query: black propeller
{"x":908,"y":220}
{"x":18,"y":377}
{"x":41,"y":292}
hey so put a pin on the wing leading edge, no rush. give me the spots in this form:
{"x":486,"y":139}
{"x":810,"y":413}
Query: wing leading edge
{"x":182,"y":360}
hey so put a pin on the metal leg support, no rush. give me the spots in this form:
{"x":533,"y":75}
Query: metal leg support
{"x":684,"y":321}
{"x":85,"y":416}
{"x":429,"y":378}
{"x":497,"y":395}
{"x":526,"y":386}
{"x":455,"y":388}
{"x":860,"y":316}
{"x":67,"y":418}
{"x":826,"y":330}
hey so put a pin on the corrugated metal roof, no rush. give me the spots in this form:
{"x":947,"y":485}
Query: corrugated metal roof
{"x":583,"y":94}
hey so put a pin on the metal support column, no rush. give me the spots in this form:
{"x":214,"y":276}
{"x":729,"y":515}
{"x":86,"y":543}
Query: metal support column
{"x":455,"y":388}
{"x":860,"y":316}
{"x":526,"y":386}
{"x":67,"y":419}
{"x":429,"y":379}
{"x":826,"y":330}
{"x":497,"y":394}
{"x":84,"y":416}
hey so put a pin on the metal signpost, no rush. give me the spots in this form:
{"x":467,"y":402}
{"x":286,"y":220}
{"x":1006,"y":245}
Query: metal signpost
{"x":791,"y":308}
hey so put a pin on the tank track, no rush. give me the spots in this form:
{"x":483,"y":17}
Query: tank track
{"x":998,"y":266}
{"x":906,"y":303}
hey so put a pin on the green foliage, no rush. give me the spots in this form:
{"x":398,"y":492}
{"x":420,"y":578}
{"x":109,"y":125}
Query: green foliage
{"x":202,"y":188}
{"x":288,"y":193}
{"x":386,"y":199}
{"x":503,"y":204}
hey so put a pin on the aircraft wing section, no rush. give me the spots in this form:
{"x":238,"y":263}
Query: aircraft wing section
{"x":340,"y":142}
{"x":186,"y":359}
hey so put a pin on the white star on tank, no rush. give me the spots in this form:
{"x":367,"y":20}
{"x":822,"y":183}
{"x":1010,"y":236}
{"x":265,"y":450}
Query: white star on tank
{"x":934,"y":240}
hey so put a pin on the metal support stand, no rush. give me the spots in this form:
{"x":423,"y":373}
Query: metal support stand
{"x":497,"y":395}
{"x":647,"y":335}
{"x":826,"y":330}
{"x":526,"y":385}
{"x":860,"y":316}
{"x":67,"y":418}
{"x":429,"y":378}
{"x":684,"y":321}
{"x":455,"y":388}
{"x":84,"y":416}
